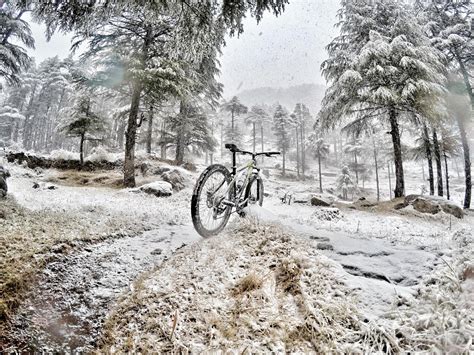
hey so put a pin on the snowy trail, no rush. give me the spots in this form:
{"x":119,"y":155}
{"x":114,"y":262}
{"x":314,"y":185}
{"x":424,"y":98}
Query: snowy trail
{"x":73,"y":294}
{"x":379,"y":270}
{"x":66,"y":310}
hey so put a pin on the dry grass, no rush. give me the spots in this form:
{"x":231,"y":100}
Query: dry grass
{"x":113,"y":179}
{"x":263,"y":290}
{"x":258,"y":290}
{"x":30,"y":239}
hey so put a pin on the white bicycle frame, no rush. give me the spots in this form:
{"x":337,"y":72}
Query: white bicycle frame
{"x":250,"y":167}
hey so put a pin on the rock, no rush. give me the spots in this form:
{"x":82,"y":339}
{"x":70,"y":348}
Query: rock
{"x":175,"y":178}
{"x":158,"y":189}
{"x":426,"y":206}
{"x":321,"y":239}
{"x":160,"y":170}
{"x":318,"y":201}
{"x":157,"y":252}
{"x":52,"y":187}
{"x":433,"y":205}
{"x":189,"y":166}
{"x":4,"y":174}
{"x":301,"y":198}
{"x":36,"y":185}
{"x":400,"y":205}
{"x":410,"y":198}
{"x":325,"y":246}
{"x":452,"y":209}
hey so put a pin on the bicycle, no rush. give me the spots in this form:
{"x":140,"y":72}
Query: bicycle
{"x":219,"y":192}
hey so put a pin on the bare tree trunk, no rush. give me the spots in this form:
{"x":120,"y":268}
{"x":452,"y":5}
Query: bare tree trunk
{"x":81,"y":149}
{"x":376,"y":173}
{"x":149,"y":133}
{"x":303,"y":150}
{"x":465,"y":76}
{"x":261,"y":140}
{"x":389,"y":180}
{"x":254,"y":134}
{"x":356,"y":168}
{"x":180,"y":143}
{"x":130,"y":138}
{"x":467,"y":163}
{"x":284,"y":155}
{"x":297,"y":155}
{"x":429,"y":158}
{"x":446,"y":174}
{"x":439,"y":169}
{"x":397,"y":154}
{"x":320,"y":174}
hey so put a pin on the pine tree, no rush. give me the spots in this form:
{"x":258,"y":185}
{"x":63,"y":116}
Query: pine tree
{"x":449,"y":25}
{"x":302,"y":117}
{"x":281,"y":126}
{"x":235,"y":108}
{"x":145,"y":50}
{"x":345,"y":183}
{"x":257,"y":117}
{"x":381,"y":65}
{"x":83,"y":123}
{"x":320,"y":150}
{"x":14,"y":32}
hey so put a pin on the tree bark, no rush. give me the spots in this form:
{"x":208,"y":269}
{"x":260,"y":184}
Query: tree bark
{"x":446,"y":171}
{"x":397,"y":154}
{"x":439,"y":169}
{"x":389,"y":181}
{"x":297,"y":154}
{"x":261,"y":140}
{"x":356,"y":167}
{"x":81,"y":149}
{"x":320,"y":174}
{"x":149,"y":134}
{"x":284,"y":167}
{"x":376,"y":173}
{"x":180,"y":139}
{"x":303,"y":150}
{"x":429,"y":158}
{"x":467,"y":163}
{"x":130,"y":138}
{"x":465,"y":76}
{"x":254,"y":133}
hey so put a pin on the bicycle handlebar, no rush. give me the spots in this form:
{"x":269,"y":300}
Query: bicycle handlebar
{"x":233,"y":148}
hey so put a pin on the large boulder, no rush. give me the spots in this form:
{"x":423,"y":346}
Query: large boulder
{"x":175,"y":178}
{"x":426,"y":206}
{"x":158,"y":189}
{"x":452,"y":209}
{"x":433,"y":205}
{"x":319,"y":201}
{"x":4,"y":174}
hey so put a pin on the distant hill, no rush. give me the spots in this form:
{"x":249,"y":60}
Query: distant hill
{"x":309,"y":94}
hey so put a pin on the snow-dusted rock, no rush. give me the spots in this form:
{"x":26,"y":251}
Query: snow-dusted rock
{"x":158,"y":188}
{"x":433,"y":205}
{"x":4,"y":174}
{"x":426,"y":206}
{"x":301,"y":198}
{"x":175,"y":178}
{"x":319,"y":201}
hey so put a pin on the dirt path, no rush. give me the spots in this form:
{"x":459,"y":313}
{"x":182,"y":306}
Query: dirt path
{"x":66,"y":310}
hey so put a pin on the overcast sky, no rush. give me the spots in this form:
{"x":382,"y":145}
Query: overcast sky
{"x":280,"y":51}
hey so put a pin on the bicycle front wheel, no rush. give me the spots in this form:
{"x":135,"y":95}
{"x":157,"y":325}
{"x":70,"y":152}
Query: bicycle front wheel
{"x":208,"y":212}
{"x":254,"y":191}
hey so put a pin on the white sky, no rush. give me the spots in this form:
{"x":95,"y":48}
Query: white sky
{"x":280,"y":51}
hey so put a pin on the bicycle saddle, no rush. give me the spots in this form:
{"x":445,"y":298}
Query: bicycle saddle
{"x":232,"y":147}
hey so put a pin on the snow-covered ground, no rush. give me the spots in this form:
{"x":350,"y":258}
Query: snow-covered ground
{"x":378,"y":259}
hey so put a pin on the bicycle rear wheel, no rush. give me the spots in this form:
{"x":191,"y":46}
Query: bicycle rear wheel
{"x":208,"y":213}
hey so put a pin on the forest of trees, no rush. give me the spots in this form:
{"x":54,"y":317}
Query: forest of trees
{"x":148,"y":79}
